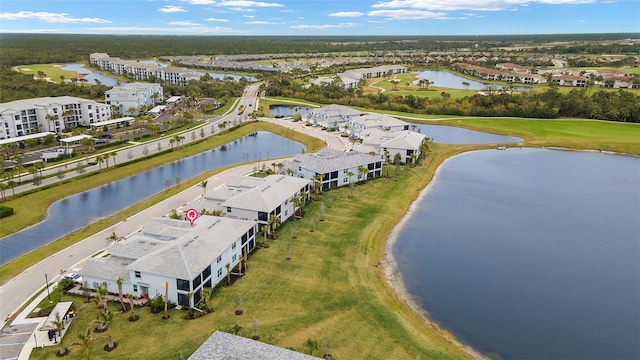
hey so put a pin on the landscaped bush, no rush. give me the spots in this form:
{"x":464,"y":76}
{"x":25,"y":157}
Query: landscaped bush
{"x":66,"y":284}
{"x":5,"y":211}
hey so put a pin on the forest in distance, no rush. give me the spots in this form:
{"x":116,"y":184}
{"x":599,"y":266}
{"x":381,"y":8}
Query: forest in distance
{"x":23,"y":49}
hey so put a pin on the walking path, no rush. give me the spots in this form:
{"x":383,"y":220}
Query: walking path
{"x":15,"y":293}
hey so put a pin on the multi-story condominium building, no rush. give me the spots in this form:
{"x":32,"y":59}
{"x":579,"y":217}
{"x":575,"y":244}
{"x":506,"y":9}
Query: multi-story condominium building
{"x":405,"y":143}
{"x":173,"y":257}
{"x":333,"y":167}
{"x":142,"y":71}
{"x":360,"y":126}
{"x":133,"y":96}
{"x":332,"y":116}
{"x":53,"y":114}
{"x":257,"y":199}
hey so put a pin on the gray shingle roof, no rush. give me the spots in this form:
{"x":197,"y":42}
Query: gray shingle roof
{"x":111,"y":267}
{"x":223,"y":346}
{"x":198,"y":247}
{"x":272,"y":192}
{"x":328,"y":160}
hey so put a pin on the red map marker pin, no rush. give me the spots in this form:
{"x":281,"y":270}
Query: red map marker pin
{"x":191,"y":215}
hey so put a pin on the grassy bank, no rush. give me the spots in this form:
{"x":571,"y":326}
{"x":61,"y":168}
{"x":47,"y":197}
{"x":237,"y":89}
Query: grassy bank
{"x":31,"y":209}
{"x":52,"y":71}
{"x":568,"y":133}
{"x":333,"y":287}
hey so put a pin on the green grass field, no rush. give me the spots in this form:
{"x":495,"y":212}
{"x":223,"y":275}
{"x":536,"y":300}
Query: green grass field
{"x":53,"y":71}
{"x":333,"y":287}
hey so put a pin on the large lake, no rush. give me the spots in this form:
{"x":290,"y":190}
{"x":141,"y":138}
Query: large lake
{"x":530,"y":253}
{"x":75,"y":211}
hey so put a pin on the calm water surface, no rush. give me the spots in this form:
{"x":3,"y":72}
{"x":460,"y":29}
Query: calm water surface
{"x":455,"y":135}
{"x":287,"y":110}
{"x":75,"y":211}
{"x":530,"y":254}
{"x":92,"y":76}
{"x":449,"y":80}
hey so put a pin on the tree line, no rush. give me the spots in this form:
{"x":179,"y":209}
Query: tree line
{"x":621,"y":105}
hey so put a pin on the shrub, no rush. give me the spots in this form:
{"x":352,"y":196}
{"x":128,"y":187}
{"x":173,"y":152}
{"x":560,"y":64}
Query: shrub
{"x":5,"y":211}
{"x":66,"y":284}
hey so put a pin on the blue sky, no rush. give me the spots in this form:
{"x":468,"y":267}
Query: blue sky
{"x":320,"y":17}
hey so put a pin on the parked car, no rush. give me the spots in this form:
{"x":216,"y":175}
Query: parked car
{"x":77,"y":278}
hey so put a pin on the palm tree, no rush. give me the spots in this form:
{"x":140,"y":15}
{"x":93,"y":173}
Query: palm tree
{"x":465,"y":85}
{"x":133,"y":316}
{"x":362,"y":172}
{"x":101,"y":298}
{"x":298,"y":203}
{"x":206,"y":296}
{"x":290,"y":171}
{"x":166,"y":300}
{"x":203,"y":184}
{"x":228,"y":266}
{"x":87,"y":339}
{"x":99,"y":161}
{"x":350,"y":174}
{"x":59,"y":325}
{"x":265,"y":231}
{"x":189,"y":297}
{"x":119,"y":281}
{"x":107,"y":318}
{"x":113,"y":155}
{"x":113,"y":237}
{"x":280,"y":166}
{"x":274,"y":222}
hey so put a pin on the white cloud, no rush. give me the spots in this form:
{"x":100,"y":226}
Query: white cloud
{"x":218,"y":20}
{"x":172,"y":9}
{"x":249,"y":16}
{"x":404,"y":14}
{"x":238,"y":9}
{"x":258,"y":22}
{"x":476,"y":5}
{"x":347,"y":14}
{"x":49,"y":17}
{"x":325,"y":26}
{"x":184,"y":23}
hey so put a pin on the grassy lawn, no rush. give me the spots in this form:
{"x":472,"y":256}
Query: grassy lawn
{"x":569,"y":133}
{"x":53,"y":71}
{"x":333,"y":287}
{"x":32,"y":208}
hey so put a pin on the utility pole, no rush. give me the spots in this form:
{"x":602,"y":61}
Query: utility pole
{"x":46,"y":280}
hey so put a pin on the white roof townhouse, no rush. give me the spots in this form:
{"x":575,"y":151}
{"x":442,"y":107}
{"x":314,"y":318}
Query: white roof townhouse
{"x":53,"y":114}
{"x":133,"y":96}
{"x":333,"y":166}
{"x":142,"y":71}
{"x":360,"y":126}
{"x":168,"y":252}
{"x":388,"y":144}
{"x":571,"y":80}
{"x":255,"y":199}
{"x":332,"y":116}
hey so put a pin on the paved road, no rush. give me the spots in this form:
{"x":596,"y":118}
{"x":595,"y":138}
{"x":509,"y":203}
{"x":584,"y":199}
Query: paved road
{"x":15,"y":292}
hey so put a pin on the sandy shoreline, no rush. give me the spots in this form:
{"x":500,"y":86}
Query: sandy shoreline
{"x":394,"y":277}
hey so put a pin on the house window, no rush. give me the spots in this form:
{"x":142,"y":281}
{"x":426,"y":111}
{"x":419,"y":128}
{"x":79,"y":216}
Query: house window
{"x":228,"y":209}
{"x":183,"y":285}
{"x":183,"y":300}
{"x":233,"y":259}
{"x":233,"y":246}
{"x":345,"y":171}
{"x":137,"y":274}
{"x":207,"y":272}
{"x":244,"y":238}
{"x":286,"y":212}
{"x":135,"y":288}
{"x":197,"y":281}
{"x":251,"y":232}
{"x":219,"y":259}
{"x":96,"y":285}
{"x":262,"y":216}
{"x":219,"y":272}
{"x":345,"y":179}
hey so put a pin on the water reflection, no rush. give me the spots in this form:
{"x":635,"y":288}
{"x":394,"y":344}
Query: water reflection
{"x":446,"y":79}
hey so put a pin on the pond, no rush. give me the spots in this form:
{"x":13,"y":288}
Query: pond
{"x":455,"y":135}
{"x":530,"y":253}
{"x":287,"y":110}
{"x":78,"y":210}
{"x":446,"y":79}
{"x":92,"y":76}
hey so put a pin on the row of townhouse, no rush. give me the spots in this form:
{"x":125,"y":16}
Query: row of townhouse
{"x":49,"y":114}
{"x":361,"y":126}
{"x":129,"y":98}
{"x":493,"y":74}
{"x":350,"y":79}
{"x":173,"y":256}
{"x":142,"y":71}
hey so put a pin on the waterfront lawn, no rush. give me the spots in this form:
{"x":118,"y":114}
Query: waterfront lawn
{"x":333,"y":287}
{"x":53,"y":71}
{"x":32,"y":208}
{"x":577,"y":134}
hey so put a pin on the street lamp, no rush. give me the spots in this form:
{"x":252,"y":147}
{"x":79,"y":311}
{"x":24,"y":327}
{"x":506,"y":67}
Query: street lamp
{"x":47,"y":281}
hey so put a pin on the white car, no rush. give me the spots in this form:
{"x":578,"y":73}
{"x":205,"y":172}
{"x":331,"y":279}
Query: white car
{"x":77,"y":278}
